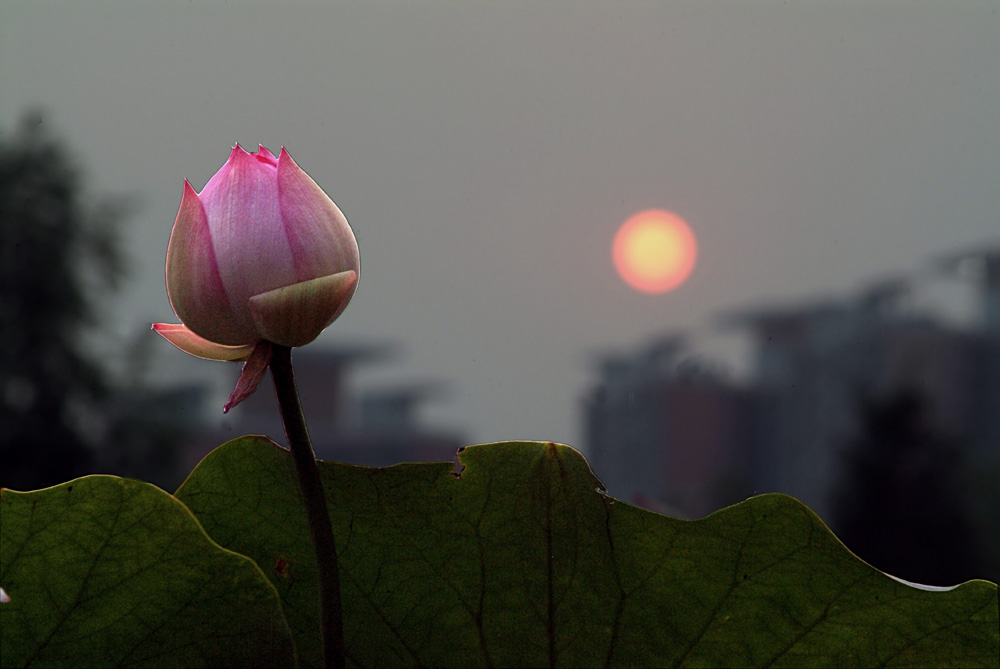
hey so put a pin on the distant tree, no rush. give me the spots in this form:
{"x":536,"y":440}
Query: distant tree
{"x":56,"y":256}
{"x":65,"y":412}
{"x":901,"y":502}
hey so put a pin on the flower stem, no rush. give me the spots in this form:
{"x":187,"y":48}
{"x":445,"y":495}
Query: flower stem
{"x":316,"y":511}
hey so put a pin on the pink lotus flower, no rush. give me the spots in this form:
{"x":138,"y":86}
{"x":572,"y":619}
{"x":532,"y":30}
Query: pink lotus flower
{"x":261,"y":255}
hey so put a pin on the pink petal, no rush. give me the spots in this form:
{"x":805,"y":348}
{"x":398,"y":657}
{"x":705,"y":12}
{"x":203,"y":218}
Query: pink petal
{"x":296,"y":314}
{"x":247,"y":232}
{"x":194,"y":285}
{"x":265,"y":156}
{"x":320,"y":238}
{"x":187,"y":341}
{"x":252,"y":374}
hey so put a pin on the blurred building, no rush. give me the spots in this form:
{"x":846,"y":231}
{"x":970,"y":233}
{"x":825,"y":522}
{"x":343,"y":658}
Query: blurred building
{"x":982,"y":268}
{"x":662,"y":429}
{"x":372,"y":428}
{"x":660,"y":432}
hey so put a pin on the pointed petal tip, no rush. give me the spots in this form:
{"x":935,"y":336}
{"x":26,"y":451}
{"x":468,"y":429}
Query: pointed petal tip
{"x":266,"y":156}
{"x":239,"y":153}
{"x":238,"y":158}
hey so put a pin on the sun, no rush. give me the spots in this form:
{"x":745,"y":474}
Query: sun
{"x":654,"y":251}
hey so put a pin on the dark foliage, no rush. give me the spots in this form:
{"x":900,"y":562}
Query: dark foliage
{"x":901,"y":505}
{"x":57,"y":258}
{"x":63,"y":412}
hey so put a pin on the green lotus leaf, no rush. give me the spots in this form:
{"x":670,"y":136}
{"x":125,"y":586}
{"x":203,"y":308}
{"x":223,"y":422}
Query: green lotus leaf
{"x":110,"y":572}
{"x":521,"y":560}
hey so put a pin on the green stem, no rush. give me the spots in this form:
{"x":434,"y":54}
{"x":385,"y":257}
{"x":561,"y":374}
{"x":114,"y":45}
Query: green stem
{"x":315,"y":501}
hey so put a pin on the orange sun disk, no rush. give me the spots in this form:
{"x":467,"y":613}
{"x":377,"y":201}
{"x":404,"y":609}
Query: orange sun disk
{"x":654,"y":251}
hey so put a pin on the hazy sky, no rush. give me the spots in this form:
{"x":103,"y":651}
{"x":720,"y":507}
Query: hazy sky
{"x":485,"y":154}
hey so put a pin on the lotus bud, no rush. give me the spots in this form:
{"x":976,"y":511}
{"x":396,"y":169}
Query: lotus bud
{"x":261,"y":254}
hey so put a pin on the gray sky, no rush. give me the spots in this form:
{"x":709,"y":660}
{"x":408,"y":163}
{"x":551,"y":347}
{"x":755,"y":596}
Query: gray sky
{"x":485,"y":154}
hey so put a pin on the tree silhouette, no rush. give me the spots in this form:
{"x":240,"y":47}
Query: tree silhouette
{"x":900,"y":505}
{"x":58,"y":256}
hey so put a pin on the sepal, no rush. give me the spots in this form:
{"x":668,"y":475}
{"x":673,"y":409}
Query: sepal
{"x":295,"y":315}
{"x":253,"y":373}
{"x":187,"y":341}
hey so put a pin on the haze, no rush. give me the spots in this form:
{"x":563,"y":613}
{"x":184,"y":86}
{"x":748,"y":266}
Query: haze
{"x":485,"y":155}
